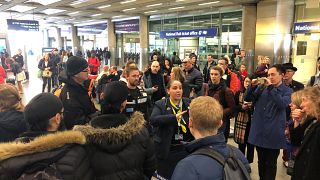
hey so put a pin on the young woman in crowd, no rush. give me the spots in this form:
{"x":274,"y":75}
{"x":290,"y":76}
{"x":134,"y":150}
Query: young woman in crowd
{"x":219,"y":91}
{"x":194,"y":59}
{"x":307,"y":160}
{"x":243,"y":111}
{"x":170,"y":118}
{"x":12,"y":122}
{"x":46,"y":66}
{"x":167,"y":71}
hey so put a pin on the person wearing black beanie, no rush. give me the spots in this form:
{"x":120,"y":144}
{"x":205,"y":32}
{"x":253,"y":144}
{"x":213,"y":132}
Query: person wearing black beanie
{"x":32,"y":155}
{"x":76,"y":93}
{"x":40,"y":111}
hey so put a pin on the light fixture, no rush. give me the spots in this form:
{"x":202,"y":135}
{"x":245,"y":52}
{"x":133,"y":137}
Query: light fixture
{"x":130,"y":9}
{"x":213,"y":2}
{"x":78,"y":2}
{"x":44,"y":2}
{"x":147,"y":12}
{"x":94,"y":15}
{"x":180,"y":7}
{"x":129,"y":1}
{"x":73,"y":13}
{"x":104,"y":6}
{"x":152,"y":5}
{"x":21,"y":8}
{"x":53,"y":11}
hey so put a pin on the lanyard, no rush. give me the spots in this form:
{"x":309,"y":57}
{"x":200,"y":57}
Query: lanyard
{"x":183,"y":124}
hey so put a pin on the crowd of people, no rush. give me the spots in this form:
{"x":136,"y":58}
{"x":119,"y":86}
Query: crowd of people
{"x":164,"y":122}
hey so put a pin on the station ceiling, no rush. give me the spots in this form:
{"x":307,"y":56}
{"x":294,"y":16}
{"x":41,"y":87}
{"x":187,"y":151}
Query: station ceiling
{"x":66,"y":12}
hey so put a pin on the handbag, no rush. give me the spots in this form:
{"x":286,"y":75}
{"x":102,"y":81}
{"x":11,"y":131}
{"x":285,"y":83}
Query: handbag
{"x":46,"y":73}
{"x":39,"y":75}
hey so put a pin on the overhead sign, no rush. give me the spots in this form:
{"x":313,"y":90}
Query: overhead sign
{"x":23,"y":25}
{"x":127,"y":26}
{"x":189,"y":33}
{"x":306,"y":27}
{"x":92,"y":29}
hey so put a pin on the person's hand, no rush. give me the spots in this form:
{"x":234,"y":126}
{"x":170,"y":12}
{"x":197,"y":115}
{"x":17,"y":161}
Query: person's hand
{"x":297,"y":115}
{"x":267,"y":82}
{"x":255,"y":82}
{"x":155,"y":88}
{"x":179,"y":115}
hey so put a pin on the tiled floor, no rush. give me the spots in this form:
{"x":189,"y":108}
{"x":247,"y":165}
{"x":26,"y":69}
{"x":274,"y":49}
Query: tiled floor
{"x":34,"y":86}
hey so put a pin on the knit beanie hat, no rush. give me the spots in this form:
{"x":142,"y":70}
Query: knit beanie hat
{"x":40,"y":110}
{"x":75,"y":65}
{"x":115,"y":93}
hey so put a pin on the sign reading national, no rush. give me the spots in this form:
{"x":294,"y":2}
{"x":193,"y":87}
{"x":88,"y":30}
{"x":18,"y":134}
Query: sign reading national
{"x":23,"y":25}
{"x":306,"y":27}
{"x":189,"y":33}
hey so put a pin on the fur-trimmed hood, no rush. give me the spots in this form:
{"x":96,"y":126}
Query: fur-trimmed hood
{"x":41,"y":144}
{"x":120,"y":130}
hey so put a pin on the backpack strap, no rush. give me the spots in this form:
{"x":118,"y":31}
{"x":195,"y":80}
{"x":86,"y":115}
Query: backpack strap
{"x":210,"y":153}
{"x":233,"y":156}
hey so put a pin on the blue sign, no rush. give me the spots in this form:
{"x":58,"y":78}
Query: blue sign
{"x":306,"y":27}
{"x":127,"y":26}
{"x":23,"y":25}
{"x":211,"y":32}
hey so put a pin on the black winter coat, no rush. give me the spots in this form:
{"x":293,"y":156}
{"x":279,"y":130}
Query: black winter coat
{"x":307,"y":161}
{"x":121,"y":148}
{"x":78,"y":107}
{"x":62,"y":148}
{"x":12,"y":124}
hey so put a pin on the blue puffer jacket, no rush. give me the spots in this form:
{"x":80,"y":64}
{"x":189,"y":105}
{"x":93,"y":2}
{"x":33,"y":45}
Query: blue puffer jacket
{"x":201,"y":167}
{"x":12,"y":124}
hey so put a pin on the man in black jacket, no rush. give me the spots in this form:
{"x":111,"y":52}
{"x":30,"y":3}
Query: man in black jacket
{"x":42,"y":151}
{"x":207,"y":67}
{"x":290,"y":71}
{"x":193,"y":76}
{"x":78,"y":107}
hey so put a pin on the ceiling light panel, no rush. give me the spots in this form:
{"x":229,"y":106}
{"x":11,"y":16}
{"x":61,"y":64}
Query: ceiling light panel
{"x":128,"y":1}
{"x":44,"y":2}
{"x":78,"y":2}
{"x":180,"y":7}
{"x":21,"y":8}
{"x":104,"y":6}
{"x":148,"y":12}
{"x":130,"y":9}
{"x":73,"y":13}
{"x":53,"y":11}
{"x":94,"y":15}
{"x":208,"y":3}
{"x":152,"y":5}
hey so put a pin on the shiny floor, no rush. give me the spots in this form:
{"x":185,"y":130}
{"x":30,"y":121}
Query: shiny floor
{"x":34,"y":87}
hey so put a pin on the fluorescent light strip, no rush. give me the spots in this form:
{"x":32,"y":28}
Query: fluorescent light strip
{"x":94,"y":15}
{"x":129,"y":1}
{"x":104,"y":6}
{"x":78,"y":2}
{"x":128,"y":9}
{"x":181,"y":7}
{"x":73,"y":13}
{"x":214,"y":2}
{"x":152,"y":5}
{"x":147,"y":12}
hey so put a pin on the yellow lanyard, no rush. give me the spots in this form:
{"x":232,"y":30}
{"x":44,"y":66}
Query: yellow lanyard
{"x":174,"y":107}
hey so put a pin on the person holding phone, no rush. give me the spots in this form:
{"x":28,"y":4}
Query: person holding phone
{"x":170,"y":120}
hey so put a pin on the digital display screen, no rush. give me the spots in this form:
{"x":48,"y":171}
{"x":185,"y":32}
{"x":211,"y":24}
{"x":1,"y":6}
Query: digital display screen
{"x":23,"y":25}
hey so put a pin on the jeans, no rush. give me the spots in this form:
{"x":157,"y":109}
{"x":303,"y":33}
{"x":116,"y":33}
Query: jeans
{"x":46,"y":80}
{"x":267,"y":163}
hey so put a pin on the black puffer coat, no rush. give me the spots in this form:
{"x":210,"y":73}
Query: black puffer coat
{"x":121,"y":148}
{"x":12,"y":124}
{"x":77,"y":104}
{"x":61,"y":148}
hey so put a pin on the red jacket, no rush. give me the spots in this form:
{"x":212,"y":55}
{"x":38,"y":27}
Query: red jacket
{"x":94,"y":64}
{"x":2,"y":75}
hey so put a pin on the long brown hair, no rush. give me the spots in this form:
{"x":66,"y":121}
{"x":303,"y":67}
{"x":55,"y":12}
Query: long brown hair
{"x":312,"y":94}
{"x":10,"y":98}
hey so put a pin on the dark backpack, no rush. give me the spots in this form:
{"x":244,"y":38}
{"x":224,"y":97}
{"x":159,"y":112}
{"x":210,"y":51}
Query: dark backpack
{"x":51,"y":172}
{"x":233,"y":168}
